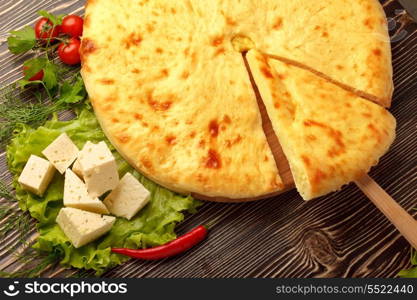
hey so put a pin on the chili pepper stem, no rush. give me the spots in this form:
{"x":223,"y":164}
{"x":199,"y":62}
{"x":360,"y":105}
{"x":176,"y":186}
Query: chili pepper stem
{"x":209,"y":225}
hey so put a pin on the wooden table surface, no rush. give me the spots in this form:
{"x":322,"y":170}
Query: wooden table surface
{"x":340,"y":235}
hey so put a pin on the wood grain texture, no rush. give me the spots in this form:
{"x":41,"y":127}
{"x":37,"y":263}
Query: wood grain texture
{"x":341,"y":235}
{"x":405,"y":223}
{"x":273,"y":142}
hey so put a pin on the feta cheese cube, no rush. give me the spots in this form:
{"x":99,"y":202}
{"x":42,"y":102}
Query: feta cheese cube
{"x":82,"y":227}
{"x":76,"y":168}
{"x":76,"y":195}
{"x":99,"y":168}
{"x":127,"y":198}
{"x":36,"y":175}
{"x":61,"y":152}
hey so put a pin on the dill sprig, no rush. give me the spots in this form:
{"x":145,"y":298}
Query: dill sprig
{"x":17,"y":221}
{"x":12,"y":218}
{"x":40,"y":262}
{"x":14,"y":110}
{"x":5,"y":192}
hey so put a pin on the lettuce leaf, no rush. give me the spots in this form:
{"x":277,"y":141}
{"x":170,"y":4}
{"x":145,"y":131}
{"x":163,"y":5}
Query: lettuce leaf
{"x":410,"y":273}
{"x":153,"y":225}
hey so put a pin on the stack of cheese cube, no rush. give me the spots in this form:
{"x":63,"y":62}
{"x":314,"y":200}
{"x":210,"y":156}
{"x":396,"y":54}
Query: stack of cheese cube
{"x":83,"y":219}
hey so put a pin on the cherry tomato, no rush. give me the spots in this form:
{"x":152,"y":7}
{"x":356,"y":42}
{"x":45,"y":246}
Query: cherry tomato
{"x":37,"y":76}
{"x":43,"y":29}
{"x":72,"y":25}
{"x":69,"y":53}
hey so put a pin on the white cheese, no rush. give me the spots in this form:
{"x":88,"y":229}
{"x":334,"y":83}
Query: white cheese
{"x":127,"y":198}
{"x":36,"y":175}
{"x":76,"y":168}
{"x":76,"y":195}
{"x":99,"y":168}
{"x":61,"y":152}
{"x":82,"y":227}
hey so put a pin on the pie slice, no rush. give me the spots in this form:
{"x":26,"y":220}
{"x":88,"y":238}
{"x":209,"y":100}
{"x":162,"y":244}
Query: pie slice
{"x":329,"y":135}
{"x":345,"y":40}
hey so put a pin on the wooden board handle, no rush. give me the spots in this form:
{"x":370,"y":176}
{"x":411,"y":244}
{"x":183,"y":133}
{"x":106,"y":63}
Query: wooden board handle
{"x":403,"y":221}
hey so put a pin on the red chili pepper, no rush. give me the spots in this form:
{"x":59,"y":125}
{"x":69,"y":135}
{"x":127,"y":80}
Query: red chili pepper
{"x":177,"y":246}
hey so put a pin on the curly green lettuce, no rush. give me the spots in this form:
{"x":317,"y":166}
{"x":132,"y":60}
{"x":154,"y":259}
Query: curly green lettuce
{"x":154,"y":225}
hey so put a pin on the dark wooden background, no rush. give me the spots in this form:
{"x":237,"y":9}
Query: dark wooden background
{"x":341,"y":235}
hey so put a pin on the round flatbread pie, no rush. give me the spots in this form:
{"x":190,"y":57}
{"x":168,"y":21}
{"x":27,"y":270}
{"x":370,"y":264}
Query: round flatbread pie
{"x":172,"y":93}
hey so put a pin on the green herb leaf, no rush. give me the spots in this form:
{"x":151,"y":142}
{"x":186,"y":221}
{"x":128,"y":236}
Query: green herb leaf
{"x":50,"y":75}
{"x":73,"y":93}
{"x":33,"y":66}
{"x":55,"y":20}
{"x":22,"y":40}
{"x":410,"y":273}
